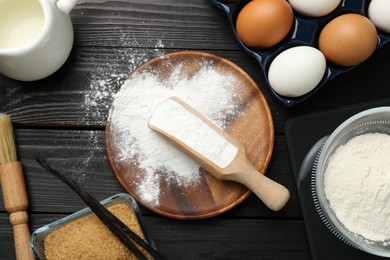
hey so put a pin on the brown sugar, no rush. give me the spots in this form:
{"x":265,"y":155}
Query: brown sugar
{"x":88,"y":238}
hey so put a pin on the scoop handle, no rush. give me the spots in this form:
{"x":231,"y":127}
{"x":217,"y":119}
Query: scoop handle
{"x":273,"y":194}
{"x":16,"y":203}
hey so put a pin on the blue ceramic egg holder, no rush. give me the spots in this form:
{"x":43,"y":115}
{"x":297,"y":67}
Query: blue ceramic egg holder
{"x":304,"y":32}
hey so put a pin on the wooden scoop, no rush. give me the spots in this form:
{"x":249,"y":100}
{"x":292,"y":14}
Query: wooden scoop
{"x":214,"y":150}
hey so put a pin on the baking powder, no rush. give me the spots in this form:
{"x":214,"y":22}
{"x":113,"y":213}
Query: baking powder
{"x":174,"y":119}
{"x":357,"y":185}
{"x":210,"y":92}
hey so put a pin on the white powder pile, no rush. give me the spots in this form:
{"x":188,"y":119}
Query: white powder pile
{"x":357,"y":185}
{"x":211,"y":93}
{"x":174,"y":119}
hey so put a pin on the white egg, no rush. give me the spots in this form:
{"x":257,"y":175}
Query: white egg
{"x":297,"y":71}
{"x":379,"y":14}
{"x":314,"y":8}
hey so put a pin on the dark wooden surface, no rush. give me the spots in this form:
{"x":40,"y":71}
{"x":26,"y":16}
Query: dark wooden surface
{"x":63,"y":117}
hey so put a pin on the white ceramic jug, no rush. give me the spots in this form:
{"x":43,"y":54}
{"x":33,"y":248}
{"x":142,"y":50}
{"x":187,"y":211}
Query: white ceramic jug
{"x":36,"y":37}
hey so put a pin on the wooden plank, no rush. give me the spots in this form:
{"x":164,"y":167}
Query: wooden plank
{"x":80,"y":93}
{"x":231,"y":239}
{"x":81,"y":154}
{"x":133,"y":23}
{"x":63,"y":117}
{"x":207,"y":239}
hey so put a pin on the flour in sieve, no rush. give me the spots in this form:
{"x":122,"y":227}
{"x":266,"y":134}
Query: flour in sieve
{"x":357,"y":185}
{"x":210,"y":92}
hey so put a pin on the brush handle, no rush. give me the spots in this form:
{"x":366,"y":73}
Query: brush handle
{"x":16,"y":203}
{"x":273,"y":194}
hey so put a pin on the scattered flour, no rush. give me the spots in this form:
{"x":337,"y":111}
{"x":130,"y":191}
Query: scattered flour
{"x":103,"y":83}
{"x":357,"y":185}
{"x":208,"y":91}
{"x":107,"y":78}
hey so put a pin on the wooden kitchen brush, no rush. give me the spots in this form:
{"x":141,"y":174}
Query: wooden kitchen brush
{"x":14,"y":190}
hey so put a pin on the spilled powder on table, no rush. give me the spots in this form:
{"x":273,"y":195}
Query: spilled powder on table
{"x":85,"y":158}
{"x":213,"y":94}
{"x":85,"y":162}
{"x":104,"y":82}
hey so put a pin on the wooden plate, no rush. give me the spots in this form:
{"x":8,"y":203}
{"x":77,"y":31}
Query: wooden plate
{"x":253,"y":127}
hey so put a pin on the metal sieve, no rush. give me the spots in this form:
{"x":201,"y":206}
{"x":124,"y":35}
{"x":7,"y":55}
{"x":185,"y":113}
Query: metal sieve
{"x":376,"y":120}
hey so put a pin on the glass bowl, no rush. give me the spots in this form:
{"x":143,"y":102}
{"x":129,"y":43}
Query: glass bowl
{"x":376,"y":120}
{"x":39,"y":235}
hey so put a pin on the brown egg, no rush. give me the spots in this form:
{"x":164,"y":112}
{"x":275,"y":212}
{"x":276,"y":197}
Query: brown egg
{"x":264,"y":23}
{"x":348,"y":39}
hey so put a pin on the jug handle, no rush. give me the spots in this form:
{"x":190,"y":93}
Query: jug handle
{"x":66,"y":6}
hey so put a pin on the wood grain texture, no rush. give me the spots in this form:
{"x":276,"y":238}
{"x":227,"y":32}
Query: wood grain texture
{"x":82,"y":155}
{"x":63,"y":118}
{"x":252,"y":127}
{"x":238,"y":168}
{"x":227,"y":239}
{"x":73,"y":95}
{"x":144,"y":23}
{"x":61,"y":98}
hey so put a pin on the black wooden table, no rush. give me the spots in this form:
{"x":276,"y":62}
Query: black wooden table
{"x":63,"y":116}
